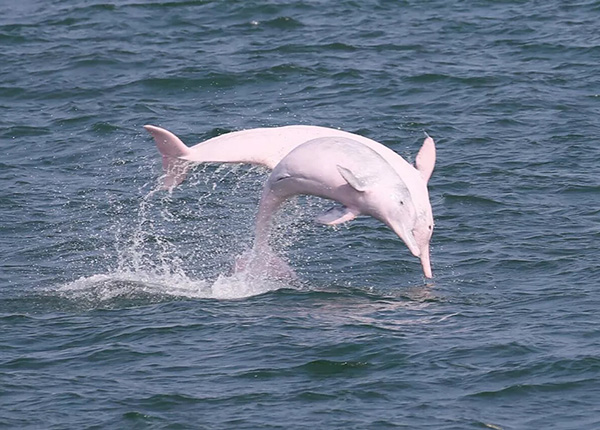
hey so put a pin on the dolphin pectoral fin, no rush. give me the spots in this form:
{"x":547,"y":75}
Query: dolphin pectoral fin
{"x":359,"y":184}
{"x":336,"y":215}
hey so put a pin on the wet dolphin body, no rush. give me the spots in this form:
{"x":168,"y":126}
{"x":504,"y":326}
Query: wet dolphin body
{"x":348,"y":172}
{"x":271,"y":147}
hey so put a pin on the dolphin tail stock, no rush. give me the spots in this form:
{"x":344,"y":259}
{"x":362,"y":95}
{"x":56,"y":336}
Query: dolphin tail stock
{"x":263,"y":147}
{"x":263,"y":263}
{"x":173,"y":152}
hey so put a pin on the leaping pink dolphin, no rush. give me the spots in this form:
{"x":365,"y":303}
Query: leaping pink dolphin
{"x":361,"y":174}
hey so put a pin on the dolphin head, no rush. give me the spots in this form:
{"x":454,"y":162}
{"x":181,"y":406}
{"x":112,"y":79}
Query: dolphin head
{"x":403,"y":206}
{"x":395,"y":208}
{"x":388,"y":199}
{"x":412,"y":221}
{"x":422,"y":231}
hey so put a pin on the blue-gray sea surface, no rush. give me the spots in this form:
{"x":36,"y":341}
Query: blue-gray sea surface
{"x":118,"y":308}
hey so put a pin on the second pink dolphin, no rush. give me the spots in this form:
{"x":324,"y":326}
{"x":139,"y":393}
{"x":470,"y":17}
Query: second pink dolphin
{"x":361,"y":174}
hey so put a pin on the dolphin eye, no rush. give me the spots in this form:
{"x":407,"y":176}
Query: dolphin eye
{"x":401,"y":202}
{"x":430,"y":227}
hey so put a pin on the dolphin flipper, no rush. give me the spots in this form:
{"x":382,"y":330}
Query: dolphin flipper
{"x":336,"y":215}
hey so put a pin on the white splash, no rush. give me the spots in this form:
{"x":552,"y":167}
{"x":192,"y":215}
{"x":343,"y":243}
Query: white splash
{"x":145,"y":285}
{"x":162,"y":254}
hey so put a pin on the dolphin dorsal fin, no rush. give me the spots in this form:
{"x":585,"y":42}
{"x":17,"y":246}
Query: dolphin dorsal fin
{"x":425,"y":161}
{"x":359,"y":184}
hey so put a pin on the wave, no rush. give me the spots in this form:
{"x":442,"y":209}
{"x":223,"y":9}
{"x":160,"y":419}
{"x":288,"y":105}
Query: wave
{"x":170,"y":246}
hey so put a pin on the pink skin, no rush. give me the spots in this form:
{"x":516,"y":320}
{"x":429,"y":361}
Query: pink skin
{"x":346,"y":171}
{"x":329,"y":178}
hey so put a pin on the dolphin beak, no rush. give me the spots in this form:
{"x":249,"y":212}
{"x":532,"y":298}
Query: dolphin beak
{"x":423,"y":253}
{"x":425,"y":262}
{"x":409,"y":239}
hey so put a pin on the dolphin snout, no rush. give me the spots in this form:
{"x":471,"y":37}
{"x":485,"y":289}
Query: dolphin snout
{"x":426,"y":263}
{"x":421,"y":252}
{"x":414,"y":250}
{"x":408,"y":238}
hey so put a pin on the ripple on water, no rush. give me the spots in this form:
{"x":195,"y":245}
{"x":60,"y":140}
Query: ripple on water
{"x":118,"y":308}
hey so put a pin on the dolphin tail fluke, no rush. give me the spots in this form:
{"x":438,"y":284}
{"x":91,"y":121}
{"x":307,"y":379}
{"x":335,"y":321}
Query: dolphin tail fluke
{"x":173,"y":151}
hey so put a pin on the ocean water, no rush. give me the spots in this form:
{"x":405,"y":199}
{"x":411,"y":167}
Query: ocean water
{"x":118,"y":307}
